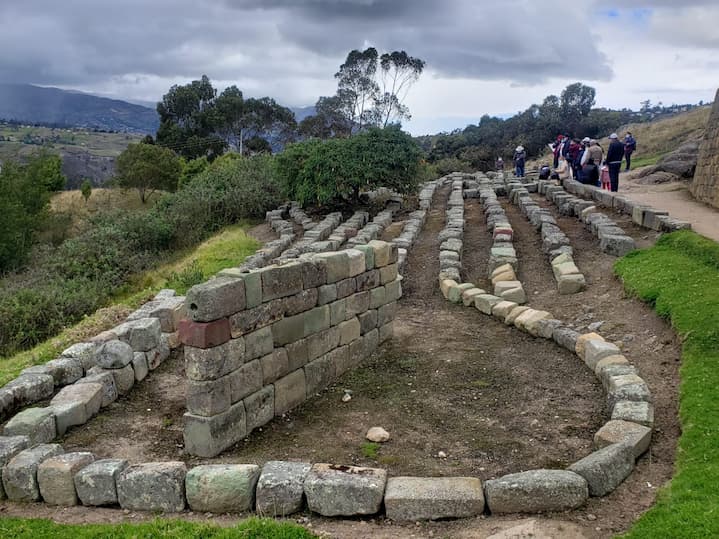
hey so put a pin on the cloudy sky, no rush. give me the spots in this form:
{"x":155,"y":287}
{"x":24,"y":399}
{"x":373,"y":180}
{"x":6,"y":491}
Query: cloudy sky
{"x":483,"y":57}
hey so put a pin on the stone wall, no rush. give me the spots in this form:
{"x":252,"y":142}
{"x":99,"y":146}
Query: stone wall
{"x":705,"y":185}
{"x":262,"y":342}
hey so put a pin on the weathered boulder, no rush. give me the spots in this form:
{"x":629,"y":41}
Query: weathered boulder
{"x":280,"y":488}
{"x":9,"y":447}
{"x":96,"y":483}
{"x":334,"y":490}
{"x":606,"y":468}
{"x":55,"y":477}
{"x":20,"y":474}
{"x":153,"y":486}
{"x":38,"y":424}
{"x":222,"y":488}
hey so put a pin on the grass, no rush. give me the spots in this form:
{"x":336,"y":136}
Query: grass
{"x":252,"y":528}
{"x":225,"y":249}
{"x":679,"y":276}
{"x":370,"y":450}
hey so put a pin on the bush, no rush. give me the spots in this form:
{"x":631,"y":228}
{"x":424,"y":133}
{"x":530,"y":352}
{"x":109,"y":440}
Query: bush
{"x":337,"y":170}
{"x":451,"y":164}
{"x":65,"y":283}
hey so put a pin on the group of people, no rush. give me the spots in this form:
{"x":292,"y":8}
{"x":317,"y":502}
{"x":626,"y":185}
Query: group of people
{"x":583,"y":160}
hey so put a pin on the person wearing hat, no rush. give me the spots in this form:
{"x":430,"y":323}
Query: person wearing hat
{"x":519,"y":157}
{"x":630,"y":144}
{"x":615,"y":153}
{"x":499,"y":164}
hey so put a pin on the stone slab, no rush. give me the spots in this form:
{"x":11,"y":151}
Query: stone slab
{"x":55,"y":477}
{"x":222,"y":488}
{"x":95,"y":484}
{"x":536,"y":491}
{"x":605,"y":469}
{"x":334,"y":490}
{"x":280,"y":488}
{"x":431,"y":498}
{"x":153,"y":486}
{"x":617,"y":431}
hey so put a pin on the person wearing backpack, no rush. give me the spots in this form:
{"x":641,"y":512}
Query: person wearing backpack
{"x":615,"y":153}
{"x":630,"y":145}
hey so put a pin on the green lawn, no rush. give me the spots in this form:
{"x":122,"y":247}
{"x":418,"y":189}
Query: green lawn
{"x":253,"y":528}
{"x":679,"y":276}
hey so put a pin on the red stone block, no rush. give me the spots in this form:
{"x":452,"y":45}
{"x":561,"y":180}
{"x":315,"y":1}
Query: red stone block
{"x":204,"y":334}
{"x":507,"y":231}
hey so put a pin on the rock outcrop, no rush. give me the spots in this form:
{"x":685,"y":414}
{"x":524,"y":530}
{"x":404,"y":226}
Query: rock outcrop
{"x":705,"y":185}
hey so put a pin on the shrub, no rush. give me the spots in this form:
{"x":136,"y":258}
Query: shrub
{"x":336,"y":170}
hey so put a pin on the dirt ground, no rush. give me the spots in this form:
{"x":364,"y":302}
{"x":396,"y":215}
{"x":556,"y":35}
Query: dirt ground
{"x":491,"y":398}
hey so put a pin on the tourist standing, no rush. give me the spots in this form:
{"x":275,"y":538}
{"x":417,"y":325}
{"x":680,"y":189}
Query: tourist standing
{"x":615,"y":153}
{"x":629,"y":146}
{"x":519,"y":157}
{"x":499,"y":165}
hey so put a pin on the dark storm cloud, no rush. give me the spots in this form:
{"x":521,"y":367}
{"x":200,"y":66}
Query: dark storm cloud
{"x":85,"y":42}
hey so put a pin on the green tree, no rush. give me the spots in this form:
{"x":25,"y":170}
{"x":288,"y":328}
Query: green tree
{"x":147,"y":168}
{"x":356,"y":86}
{"x":86,"y":189}
{"x":399,"y":71}
{"x":337,"y":170}
{"x":26,"y":190}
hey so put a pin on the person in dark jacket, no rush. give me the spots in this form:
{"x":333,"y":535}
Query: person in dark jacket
{"x":630,"y":144}
{"x":615,"y":153}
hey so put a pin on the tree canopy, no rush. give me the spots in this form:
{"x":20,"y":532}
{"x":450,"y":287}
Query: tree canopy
{"x":148,"y":168}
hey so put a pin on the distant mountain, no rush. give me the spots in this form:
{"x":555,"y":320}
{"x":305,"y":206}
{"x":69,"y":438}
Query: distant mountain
{"x":52,"y":106}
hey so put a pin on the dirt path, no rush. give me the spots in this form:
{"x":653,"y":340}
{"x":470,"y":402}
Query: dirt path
{"x":675,"y":198}
{"x":493,"y":399}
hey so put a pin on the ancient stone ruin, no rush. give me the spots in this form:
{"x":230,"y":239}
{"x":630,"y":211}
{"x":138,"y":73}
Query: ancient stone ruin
{"x":705,"y":185}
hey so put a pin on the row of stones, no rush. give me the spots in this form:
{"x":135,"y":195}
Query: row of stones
{"x":612,"y":238}
{"x":91,"y":378}
{"x":265,"y":341}
{"x":503,"y":262}
{"x":312,"y":237}
{"x":373,"y":229}
{"x":450,"y":248}
{"x":414,"y":223}
{"x":555,"y":242}
{"x":272,"y":249}
{"x":642,"y":215}
{"x":629,"y":430}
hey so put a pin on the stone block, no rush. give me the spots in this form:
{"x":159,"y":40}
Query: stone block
{"x":204,"y":334}
{"x":274,"y":365}
{"x":95,"y":483}
{"x":617,"y":245}
{"x":319,"y":374}
{"x":210,"y":436}
{"x":55,"y":477}
{"x":38,"y":424}
{"x":318,"y":319}
{"x":260,"y":407}
{"x":157,"y":356}
{"x":322,"y":342}
{"x":84,"y":400}
{"x":504,"y":276}
{"x":368,"y":280}
{"x":605,"y":469}
{"x":536,"y":491}
{"x":368,"y":252}
{"x":290,"y":391}
{"x":249,"y":320}
{"x":107,"y":381}
{"x":357,"y":304}
{"x":213,"y":363}
{"x":140,"y":366}
{"x":627,"y":387}
{"x":432,"y":498}
{"x":114,"y":355}
{"x":351,"y":329}
{"x":288,"y":329}
{"x":280,"y":488}
{"x":638,"y":437}
{"x":515,"y":295}
{"x":393,"y":291}
{"x":258,"y":343}
{"x":608,"y":361}
{"x":582,"y":342}
{"x":357,"y":263}
{"x":217,"y":298}
{"x":388,"y":273}
{"x":571,"y":284}
{"x":245,"y":380}
{"x":545,"y":327}
{"x":222,"y":488}
{"x":208,"y":398}
{"x":596,"y":350}
{"x":20,"y":474}
{"x":9,"y":447}
{"x":485,"y":302}
{"x":297,"y":354}
{"x":566,"y":338}
{"x":382,"y":252}
{"x":640,"y":412}
{"x":298,"y":303}
{"x":470,"y":294}
{"x":503,"y":308}
{"x":64,"y":370}
{"x":326,"y":294}
{"x":335,"y":264}
{"x":29,"y":388}
{"x":386,"y":332}
{"x":514,"y":314}
{"x":82,"y":351}
{"x":387,"y":313}
{"x":529,"y":319}
{"x":346,"y":287}
{"x":142,"y":334}
{"x":313,"y":275}
{"x":279,"y":281}
{"x":153,"y":486}
{"x":333,"y":490}
{"x":445,"y":285}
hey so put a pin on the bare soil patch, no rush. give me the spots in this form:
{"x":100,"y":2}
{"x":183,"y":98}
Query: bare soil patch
{"x":493,"y":399}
